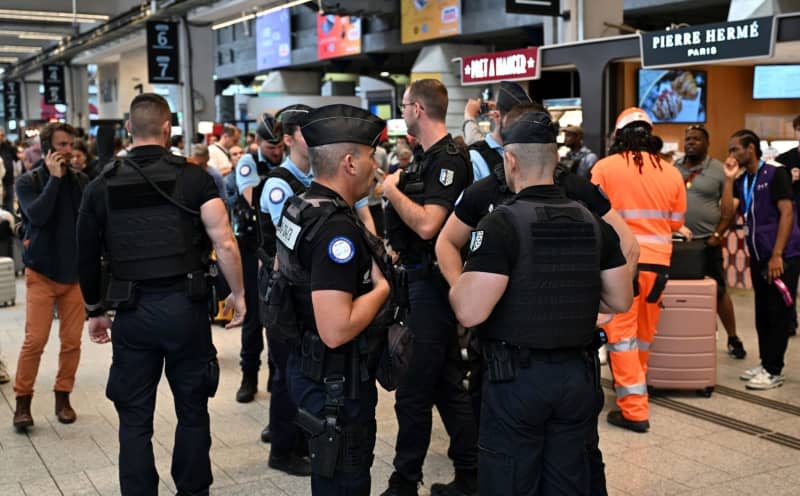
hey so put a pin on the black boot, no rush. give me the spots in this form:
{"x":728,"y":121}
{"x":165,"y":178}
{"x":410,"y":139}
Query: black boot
{"x":465,"y":483}
{"x":615,"y":417}
{"x":248,"y":388}
{"x":290,"y":464}
{"x":266,"y":435}
{"x":400,"y":486}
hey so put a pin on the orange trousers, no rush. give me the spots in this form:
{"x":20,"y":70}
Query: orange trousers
{"x":629,"y":337}
{"x":42,"y":295}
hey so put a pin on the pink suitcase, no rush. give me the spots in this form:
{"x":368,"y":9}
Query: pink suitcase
{"x":684,"y":352}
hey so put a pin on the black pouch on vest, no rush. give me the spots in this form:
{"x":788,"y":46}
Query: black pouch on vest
{"x":499,"y":362}
{"x":197,"y":286}
{"x":280,"y":317}
{"x":121,"y":295}
{"x":312,"y":361}
{"x":395,"y":359}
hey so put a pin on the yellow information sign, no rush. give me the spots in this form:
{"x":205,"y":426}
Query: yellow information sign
{"x":429,"y":19}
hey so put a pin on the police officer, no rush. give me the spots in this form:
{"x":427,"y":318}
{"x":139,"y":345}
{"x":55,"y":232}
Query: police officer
{"x":293,"y":177}
{"x":537,"y":320}
{"x":481,"y":198}
{"x":251,"y":172}
{"x":337,"y":289}
{"x":151,"y":215}
{"x":418,"y":207}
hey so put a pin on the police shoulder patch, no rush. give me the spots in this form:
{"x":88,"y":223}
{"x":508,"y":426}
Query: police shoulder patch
{"x":276,"y":195}
{"x":287,"y":233}
{"x":476,"y":240}
{"x":446,"y":177}
{"x":245,"y":170}
{"x":341,"y":250}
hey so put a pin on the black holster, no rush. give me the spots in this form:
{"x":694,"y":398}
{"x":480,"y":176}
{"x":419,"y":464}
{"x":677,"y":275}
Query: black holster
{"x":499,"y":361}
{"x":324,"y":442}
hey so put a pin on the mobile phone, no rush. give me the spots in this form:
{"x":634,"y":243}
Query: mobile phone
{"x":45,"y":146}
{"x":484,"y":108}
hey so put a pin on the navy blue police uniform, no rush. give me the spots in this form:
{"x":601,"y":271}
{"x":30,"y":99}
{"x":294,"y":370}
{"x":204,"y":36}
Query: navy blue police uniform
{"x":435,"y":372}
{"x":539,"y":377}
{"x":323,"y":246}
{"x":478,"y":201}
{"x":142,"y":215}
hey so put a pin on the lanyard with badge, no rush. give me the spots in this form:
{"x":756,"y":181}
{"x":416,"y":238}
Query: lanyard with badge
{"x":748,"y":192}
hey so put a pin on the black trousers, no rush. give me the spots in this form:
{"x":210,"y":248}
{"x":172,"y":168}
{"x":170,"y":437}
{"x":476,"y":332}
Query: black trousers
{"x":285,"y":435}
{"x":310,"y":396}
{"x":774,"y":321}
{"x":252,"y":330}
{"x":434,"y":378}
{"x":533,"y":431}
{"x":166,"y":331}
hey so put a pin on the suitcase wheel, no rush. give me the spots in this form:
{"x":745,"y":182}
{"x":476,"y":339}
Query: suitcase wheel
{"x":705,"y":393}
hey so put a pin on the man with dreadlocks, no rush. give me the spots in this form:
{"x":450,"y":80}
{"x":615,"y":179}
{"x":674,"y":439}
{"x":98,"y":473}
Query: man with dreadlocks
{"x":651,"y":197}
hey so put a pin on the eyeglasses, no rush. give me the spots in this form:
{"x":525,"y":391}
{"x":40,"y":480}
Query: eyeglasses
{"x":697,"y":127}
{"x":402,"y":106}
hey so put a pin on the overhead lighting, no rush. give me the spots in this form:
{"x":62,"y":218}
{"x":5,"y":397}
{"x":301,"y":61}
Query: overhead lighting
{"x":19,"y":49}
{"x":287,"y":5}
{"x":33,"y":35}
{"x":233,"y":21}
{"x":8,"y":60}
{"x":49,"y":16}
{"x":384,"y":74}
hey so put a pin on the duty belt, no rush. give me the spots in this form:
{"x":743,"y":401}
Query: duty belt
{"x":420,"y":272}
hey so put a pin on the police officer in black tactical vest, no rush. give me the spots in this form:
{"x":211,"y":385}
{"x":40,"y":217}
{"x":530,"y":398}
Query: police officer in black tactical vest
{"x":251,"y":172}
{"x":420,"y":199}
{"x":540,"y":268}
{"x":151,"y":217}
{"x":336,"y":288}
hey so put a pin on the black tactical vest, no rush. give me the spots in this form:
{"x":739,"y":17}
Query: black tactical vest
{"x":267,"y":227}
{"x":403,"y":239}
{"x":553,"y":293}
{"x":493,"y":159}
{"x":151,"y":234}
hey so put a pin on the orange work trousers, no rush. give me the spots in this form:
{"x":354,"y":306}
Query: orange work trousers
{"x":42,"y":295}
{"x":630,"y":335}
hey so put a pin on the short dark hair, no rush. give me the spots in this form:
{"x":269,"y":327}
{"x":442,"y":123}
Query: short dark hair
{"x":176,"y":140}
{"x":47,"y":132}
{"x":796,"y":122}
{"x":432,"y":94}
{"x":148,"y":113}
{"x":746,"y":138}
{"x":80,"y":144}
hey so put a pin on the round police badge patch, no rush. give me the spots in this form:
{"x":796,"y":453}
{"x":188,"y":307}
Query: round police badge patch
{"x":341,"y":250}
{"x":276,"y":195}
{"x":476,"y":240}
{"x":245,"y":170}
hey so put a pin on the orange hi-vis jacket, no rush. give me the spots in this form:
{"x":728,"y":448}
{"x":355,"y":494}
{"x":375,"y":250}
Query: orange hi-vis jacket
{"x":652,"y":202}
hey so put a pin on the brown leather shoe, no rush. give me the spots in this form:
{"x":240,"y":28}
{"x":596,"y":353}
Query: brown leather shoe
{"x":22,"y":416}
{"x":64,"y":411}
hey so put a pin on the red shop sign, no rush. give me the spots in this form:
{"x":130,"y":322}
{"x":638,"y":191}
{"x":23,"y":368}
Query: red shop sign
{"x":510,"y":65}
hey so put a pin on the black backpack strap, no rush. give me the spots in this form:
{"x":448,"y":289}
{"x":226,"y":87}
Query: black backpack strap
{"x":286,"y":175}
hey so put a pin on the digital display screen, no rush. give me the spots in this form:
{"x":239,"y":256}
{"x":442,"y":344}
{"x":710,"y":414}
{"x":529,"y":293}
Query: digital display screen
{"x":776,"y":82}
{"x":673,"y":96}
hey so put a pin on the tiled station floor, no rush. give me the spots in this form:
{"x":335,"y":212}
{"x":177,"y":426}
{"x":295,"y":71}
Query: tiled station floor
{"x":733,"y":443}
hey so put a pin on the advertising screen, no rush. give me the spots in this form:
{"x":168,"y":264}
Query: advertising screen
{"x":776,"y":81}
{"x":673,"y":96}
{"x":429,"y":19}
{"x":338,"y":36}
{"x":273,"y":40}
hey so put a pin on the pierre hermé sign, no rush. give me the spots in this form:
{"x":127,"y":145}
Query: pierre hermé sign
{"x":162,"y":52}
{"x":54,"y":84}
{"x":509,"y":65}
{"x":745,"y":39}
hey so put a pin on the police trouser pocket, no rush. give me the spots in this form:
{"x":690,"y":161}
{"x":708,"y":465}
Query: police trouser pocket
{"x":495,"y":472}
{"x":499,"y":362}
{"x":113,"y":387}
{"x":212,"y":377}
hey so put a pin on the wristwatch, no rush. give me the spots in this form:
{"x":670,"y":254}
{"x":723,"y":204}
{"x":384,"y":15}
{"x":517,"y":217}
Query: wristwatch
{"x":716,"y":235}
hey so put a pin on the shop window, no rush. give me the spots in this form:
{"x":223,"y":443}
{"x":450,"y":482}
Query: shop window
{"x":220,"y":61}
{"x":232,"y":55}
{"x":233,"y":32}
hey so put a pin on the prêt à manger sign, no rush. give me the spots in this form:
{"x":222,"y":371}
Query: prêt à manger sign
{"x":508,"y":65}
{"x":748,"y":38}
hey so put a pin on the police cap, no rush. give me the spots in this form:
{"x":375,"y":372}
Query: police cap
{"x":510,"y":95}
{"x":342,"y":124}
{"x":293,"y":114}
{"x":532,"y":127}
{"x":266,"y":129}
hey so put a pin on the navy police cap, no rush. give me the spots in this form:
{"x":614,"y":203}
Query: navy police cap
{"x":510,"y":95}
{"x":342,"y":124}
{"x":266,"y":129}
{"x":293,"y":114}
{"x":532,"y":127}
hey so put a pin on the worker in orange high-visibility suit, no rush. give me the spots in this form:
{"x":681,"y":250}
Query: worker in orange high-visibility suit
{"x":651,"y":197}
